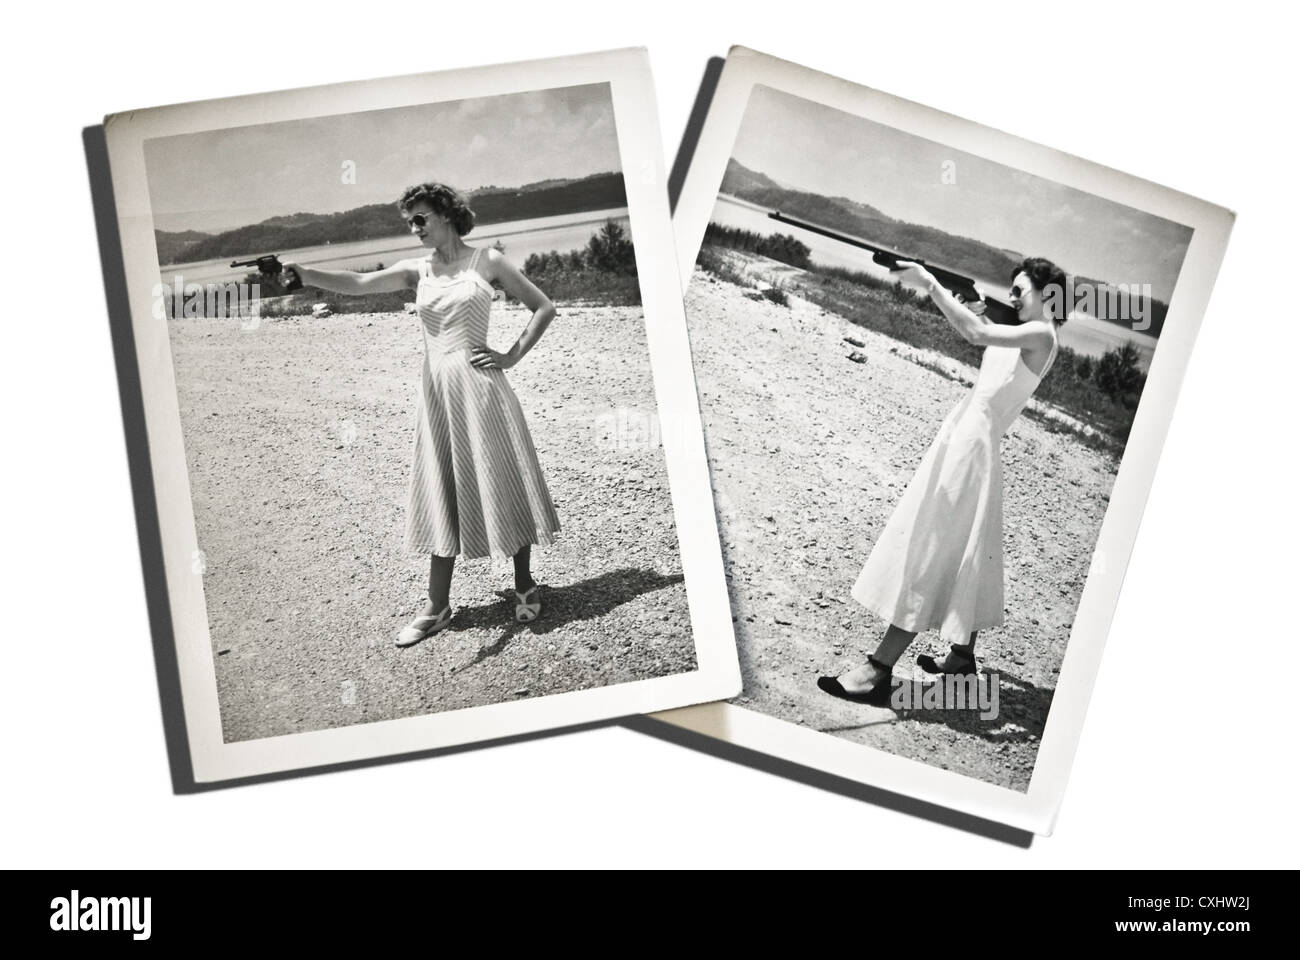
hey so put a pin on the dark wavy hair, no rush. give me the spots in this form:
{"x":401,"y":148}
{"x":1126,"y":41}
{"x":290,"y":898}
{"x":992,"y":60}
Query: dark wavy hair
{"x":1045,"y":275}
{"x":446,"y":202}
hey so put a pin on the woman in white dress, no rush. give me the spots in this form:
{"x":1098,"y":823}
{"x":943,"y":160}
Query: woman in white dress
{"x":938,"y":562}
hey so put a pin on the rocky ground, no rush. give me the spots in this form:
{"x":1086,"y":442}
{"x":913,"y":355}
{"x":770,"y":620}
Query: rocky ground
{"x":811,"y":442}
{"x":298,"y":437}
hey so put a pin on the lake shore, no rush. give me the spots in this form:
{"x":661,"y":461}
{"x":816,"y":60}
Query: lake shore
{"x":1085,"y":335}
{"x":519,"y":238}
{"x":298,"y":438}
{"x":809,"y":452}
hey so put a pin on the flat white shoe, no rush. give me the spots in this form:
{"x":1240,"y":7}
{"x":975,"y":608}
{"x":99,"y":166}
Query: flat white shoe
{"x":424,"y":626}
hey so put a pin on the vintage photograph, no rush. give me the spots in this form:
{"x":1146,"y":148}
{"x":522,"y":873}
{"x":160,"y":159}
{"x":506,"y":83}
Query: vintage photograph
{"x":418,"y":409}
{"x":960,"y":465}
{"x":919,"y":370}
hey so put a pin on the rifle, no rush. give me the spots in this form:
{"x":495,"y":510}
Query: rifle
{"x":270,"y":266}
{"x":961,"y":287}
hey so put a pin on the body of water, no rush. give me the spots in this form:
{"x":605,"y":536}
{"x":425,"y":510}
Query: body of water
{"x":1082,"y":333}
{"x":521,"y":238}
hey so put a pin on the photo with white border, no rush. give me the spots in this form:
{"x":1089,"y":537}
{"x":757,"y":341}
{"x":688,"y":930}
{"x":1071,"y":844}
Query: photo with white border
{"x":936,"y":365}
{"x":386,"y":528}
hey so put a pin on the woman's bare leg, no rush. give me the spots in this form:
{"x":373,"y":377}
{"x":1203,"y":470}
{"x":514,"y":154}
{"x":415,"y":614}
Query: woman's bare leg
{"x":523,"y":569}
{"x":961,"y":655}
{"x":895,"y":641}
{"x":440,"y":569}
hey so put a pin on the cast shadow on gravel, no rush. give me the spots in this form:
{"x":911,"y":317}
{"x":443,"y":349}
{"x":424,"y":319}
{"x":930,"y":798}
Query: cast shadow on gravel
{"x":587,"y":599}
{"x":1022,"y":713}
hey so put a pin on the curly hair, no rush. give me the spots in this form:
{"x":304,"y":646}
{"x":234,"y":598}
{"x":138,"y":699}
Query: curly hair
{"x":1048,"y":279}
{"x":446,"y":202}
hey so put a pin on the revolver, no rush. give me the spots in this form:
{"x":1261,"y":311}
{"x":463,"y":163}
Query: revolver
{"x":270,"y":266}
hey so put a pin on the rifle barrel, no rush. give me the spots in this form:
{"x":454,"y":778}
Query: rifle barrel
{"x":851,"y":241}
{"x":998,"y":311}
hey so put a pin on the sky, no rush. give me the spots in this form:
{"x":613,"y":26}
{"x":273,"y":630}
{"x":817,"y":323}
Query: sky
{"x":808,"y":146}
{"x":219,"y":179}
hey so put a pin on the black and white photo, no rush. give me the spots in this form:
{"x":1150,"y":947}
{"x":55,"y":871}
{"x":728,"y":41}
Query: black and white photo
{"x":413,"y":357}
{"x":925,"y":352}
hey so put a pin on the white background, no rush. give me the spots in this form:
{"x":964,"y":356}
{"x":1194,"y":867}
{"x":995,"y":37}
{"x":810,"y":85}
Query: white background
{"x":1187,"y":756}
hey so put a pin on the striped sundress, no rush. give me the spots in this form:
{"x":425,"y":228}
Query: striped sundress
{"x":476,"y":487}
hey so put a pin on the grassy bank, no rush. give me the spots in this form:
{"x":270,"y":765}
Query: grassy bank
{"x":601,"y":273}
{"x":1100,"y":393}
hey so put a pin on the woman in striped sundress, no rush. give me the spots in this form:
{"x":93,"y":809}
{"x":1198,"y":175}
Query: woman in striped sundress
{"x":476,"y":488}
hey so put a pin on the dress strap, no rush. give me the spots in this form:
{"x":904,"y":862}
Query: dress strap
{"x":423,"y":266}
{"x":473,"y":260}
{"x":1056,"y":343}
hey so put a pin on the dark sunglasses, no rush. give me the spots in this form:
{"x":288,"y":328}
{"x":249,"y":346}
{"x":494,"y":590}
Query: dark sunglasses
{"x":1017,"y":291}
{"x":419,"y":220}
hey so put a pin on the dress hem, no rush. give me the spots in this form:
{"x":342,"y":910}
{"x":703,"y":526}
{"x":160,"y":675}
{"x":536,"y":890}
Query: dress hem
{"x":539,"y":538}
{"x":881,"y":611}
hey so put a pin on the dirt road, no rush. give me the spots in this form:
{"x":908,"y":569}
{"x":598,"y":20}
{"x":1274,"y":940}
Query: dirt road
{"x":809,"y":453}
{"x":298,"y":435}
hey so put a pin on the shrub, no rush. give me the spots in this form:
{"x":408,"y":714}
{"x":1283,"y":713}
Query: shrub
{"x":611,"y":251}
{"x":604,"y":271}
{"x":778,"y":246}
{"x":902,"y":294}
{"x":1119,"y":376}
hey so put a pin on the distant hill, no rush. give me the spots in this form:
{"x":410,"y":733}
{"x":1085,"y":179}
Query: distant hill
{"x":545,"y":198}
{"x":172,"y":245}
{"x":740,"y":181}
{"x":538,"y":185}
{"x":294,"y":220}
{"x":962,"y":254}
{"x":1117,"y":305}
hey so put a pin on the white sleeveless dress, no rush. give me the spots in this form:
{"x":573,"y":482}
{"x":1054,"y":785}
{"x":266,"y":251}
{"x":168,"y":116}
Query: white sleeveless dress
{"x":938,"y":561}
{"x":476,"y":487}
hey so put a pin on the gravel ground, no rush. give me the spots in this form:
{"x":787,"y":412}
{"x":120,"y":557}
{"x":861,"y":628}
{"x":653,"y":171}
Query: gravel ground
{"x":809,"y":453}
{"x":298,"y":438}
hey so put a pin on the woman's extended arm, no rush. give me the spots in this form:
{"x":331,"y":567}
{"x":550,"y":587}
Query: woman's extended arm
{"x":972,"y":327}
{"x":399,"y":276}
{"x":522,"y":289}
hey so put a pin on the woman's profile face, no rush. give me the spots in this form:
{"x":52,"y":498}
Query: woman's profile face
{"x":1025,"y":300}
{"x":432,"y":229}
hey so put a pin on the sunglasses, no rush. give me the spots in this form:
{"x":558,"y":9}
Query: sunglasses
{"x":1017,"y":292}
{"x":419,"y":220}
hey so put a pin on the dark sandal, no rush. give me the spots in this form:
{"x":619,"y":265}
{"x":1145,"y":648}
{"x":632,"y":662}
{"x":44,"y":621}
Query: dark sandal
{"x":877,"y":696}
{"x":968,"y":669}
